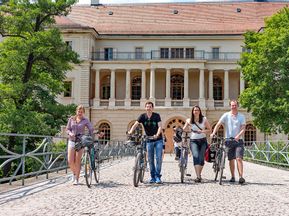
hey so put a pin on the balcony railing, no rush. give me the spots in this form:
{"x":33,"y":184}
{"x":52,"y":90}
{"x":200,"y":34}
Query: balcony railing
{"x":158,"y":55}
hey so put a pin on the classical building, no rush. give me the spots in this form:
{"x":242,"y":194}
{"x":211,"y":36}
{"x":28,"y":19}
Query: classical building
{"x":176,"y":55}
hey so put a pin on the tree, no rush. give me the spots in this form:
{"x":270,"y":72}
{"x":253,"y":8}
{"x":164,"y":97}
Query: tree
{"x":33,"y":63}
{"x":265,"y":69}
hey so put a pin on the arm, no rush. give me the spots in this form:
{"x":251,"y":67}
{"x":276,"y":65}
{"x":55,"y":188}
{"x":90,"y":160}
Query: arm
{"x":159,"y":130}
{"x":240,"y":134}
{"x":208,"y":128}
{"x":69,"y":128}
{"x":216,"y":128}
{"x":133,"y":127}
{"x":90,"y":127}
{"x":187,"y":125}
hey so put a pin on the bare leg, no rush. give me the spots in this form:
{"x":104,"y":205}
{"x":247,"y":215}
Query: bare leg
{"x":71,"y":159}
{"x":78,"y":163}
{"x":240,"y":166}
{"x":232,"y":167}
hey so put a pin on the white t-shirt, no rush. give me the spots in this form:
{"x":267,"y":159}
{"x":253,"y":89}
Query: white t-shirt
{"x":233,"y":123}
{"x":195,"y":128}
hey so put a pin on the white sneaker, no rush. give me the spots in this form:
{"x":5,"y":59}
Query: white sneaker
{"x":76,"y":182}
{"x":73,"y":178}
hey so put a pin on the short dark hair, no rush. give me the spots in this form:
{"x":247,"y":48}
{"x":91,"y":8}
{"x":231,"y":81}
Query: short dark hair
{"x":149,"y":102}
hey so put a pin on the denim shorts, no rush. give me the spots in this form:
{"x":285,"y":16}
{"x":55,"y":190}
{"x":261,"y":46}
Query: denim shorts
{"x":235,"y":149}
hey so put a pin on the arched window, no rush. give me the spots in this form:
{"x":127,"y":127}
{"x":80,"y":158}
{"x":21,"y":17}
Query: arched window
{"x":139,"y":128}
{"x":220,"y":132}
{"x":105,"y":87}
{"x":177,"y":87}
{"x":136,"y":88}
{"x":217,"y":88}
{"x":250,"y":134}
{"x":104,"y":127}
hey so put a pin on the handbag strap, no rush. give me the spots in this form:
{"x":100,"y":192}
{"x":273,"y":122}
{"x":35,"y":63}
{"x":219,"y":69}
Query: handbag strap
{"x":197,"y":126}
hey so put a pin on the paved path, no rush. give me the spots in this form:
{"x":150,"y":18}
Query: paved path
{"x":266,"y":192}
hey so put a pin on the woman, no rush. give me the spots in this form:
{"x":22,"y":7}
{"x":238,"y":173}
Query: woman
{"x":75,"y":127}
{"x":198,"y":141}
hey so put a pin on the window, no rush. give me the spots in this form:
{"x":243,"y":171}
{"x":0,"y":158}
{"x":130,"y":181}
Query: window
{"x":250,"y":134}
{"x":177,"y":52}
{"x":177,"y":87}
{"x":217,"y":88}
{"x":216,"y":53}
{"x":136,"y":88}
{"x":67,"y":89}
{"x":108,"y":54}
{"x":104,"y":127}
{"x":105,"y":87}
{"x":164,"y":53}
{"x":190,"y":53}
{"x":138,"y":53}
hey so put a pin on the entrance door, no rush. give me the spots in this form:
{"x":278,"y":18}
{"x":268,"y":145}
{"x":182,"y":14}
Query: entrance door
{"x":169,"y":132}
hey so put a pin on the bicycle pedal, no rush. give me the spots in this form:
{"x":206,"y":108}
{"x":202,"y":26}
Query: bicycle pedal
{"x":188,"y":174}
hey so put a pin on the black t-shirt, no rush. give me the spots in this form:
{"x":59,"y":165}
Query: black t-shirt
{"x":150,"y":124}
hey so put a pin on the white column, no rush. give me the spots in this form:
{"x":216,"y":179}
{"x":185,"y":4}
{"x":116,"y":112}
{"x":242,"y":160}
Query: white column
{"x":143,"y":88}
{"x":186,"y":100}
{"x":152,"y":85}
{"x":210,"y":101}
{"x":202,"y":103}
{"x":112,"y":89}
{"x":168,"y":99}
{"x":226,"y":88}
{"x":96,"y":101}
{"x":127,"y":100}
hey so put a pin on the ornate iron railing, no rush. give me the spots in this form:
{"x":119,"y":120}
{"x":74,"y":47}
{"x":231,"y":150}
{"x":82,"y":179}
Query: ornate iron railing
{"x":37,"y":155}
{"x":270,"y":152}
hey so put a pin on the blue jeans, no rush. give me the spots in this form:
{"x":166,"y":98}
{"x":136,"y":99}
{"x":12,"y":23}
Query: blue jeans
{"x":155,"y":148}
{"x":198,"y":148}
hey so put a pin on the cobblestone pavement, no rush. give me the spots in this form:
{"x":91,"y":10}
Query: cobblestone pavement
{"x":266,"y":192}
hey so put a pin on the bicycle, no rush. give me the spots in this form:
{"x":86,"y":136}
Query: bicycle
{"x":91,"y":159}
{"x":221,"y":151}
{"x":140,"y":164}
{"x":184,"y":155}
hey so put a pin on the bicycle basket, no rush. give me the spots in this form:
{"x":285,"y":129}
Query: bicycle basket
{"x":86,"y":140}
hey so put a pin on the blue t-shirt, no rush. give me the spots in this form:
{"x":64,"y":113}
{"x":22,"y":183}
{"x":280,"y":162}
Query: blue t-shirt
{"x":232,"y":123}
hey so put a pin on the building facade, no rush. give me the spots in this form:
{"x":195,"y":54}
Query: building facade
{"x":175,"y":55}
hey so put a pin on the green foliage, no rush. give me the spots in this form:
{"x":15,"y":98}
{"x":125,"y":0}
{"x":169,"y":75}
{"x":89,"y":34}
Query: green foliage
{"x":33,"y":64}
{"x":266,"y":71}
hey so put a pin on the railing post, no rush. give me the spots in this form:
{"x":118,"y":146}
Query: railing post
{"x":23,"y":160}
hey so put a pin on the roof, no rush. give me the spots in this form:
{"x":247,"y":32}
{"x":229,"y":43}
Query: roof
{"x":172,"y":18}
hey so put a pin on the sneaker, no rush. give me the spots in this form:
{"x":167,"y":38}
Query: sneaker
{"x":72,"y":178}
{"x":76,"y":182}
{"x":177,"y":158}
{"x":241,"y":180}
{"x":158,"y":181}
{"x":197,"y":180}
{"x":152,"y":181}
{"x":232,"y":179}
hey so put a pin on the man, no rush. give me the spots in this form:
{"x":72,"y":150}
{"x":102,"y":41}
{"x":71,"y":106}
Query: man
{"x":152,"y":124}
{"x":235,"y":124}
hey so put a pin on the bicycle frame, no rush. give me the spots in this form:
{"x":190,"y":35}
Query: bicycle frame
{"x":184,"y":155}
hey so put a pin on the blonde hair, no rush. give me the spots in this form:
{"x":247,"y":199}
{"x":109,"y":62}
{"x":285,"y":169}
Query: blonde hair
{"x":79,"y":107}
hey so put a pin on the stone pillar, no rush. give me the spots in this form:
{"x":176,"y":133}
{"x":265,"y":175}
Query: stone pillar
{"x":210,"y":101}
{"x":168,"y":99}
{"x":143,"y":88}
{"x":127,"y":100}
{"x":202,"y":102}
{"x":186,"y":100}
{"x":152,"y":85}
{"x":112,"y":89}
{"x":226,"y":88}
{"x":96,"y":101}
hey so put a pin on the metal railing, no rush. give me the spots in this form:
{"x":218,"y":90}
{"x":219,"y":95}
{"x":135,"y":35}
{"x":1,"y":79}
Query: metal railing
{"x":158,"y":55}
{"x":37,"y":155}
{"x":269,"y":152}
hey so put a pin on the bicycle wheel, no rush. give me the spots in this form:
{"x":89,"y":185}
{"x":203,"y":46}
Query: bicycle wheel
{"x":137,"y":169}
{"x":143,"y":168}
{"x":216,"y":165}
{"x":96,"y":166}
{"x":183,"y":165}
{"x":222,"y":166}
{"x":87,"y":168}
